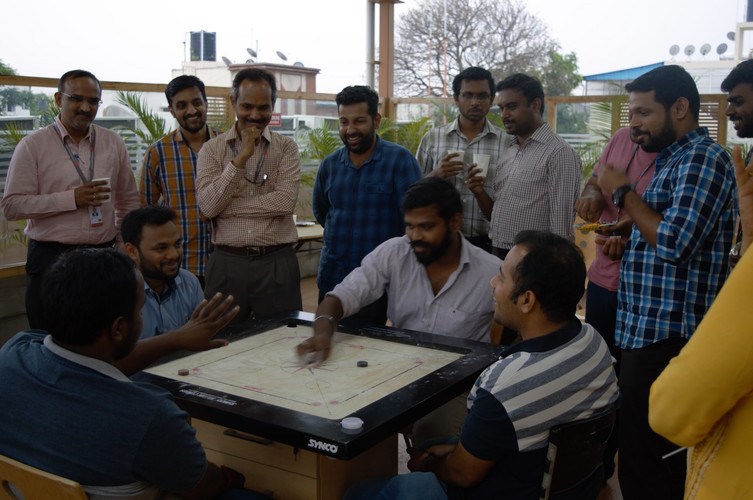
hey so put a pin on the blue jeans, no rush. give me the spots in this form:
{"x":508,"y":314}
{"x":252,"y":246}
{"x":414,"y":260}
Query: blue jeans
{"x":423,"y":485}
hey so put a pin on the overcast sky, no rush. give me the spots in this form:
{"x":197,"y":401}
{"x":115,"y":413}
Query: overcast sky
{"x":142,"y":40}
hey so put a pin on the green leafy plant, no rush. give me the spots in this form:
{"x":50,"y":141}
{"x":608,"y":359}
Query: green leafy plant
{"x":154,"y":125}
{"x":408,"y":134}
{"x":12,"y":134}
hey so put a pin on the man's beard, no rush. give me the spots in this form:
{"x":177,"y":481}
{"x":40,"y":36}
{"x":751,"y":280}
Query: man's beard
{"x":435,"y":251}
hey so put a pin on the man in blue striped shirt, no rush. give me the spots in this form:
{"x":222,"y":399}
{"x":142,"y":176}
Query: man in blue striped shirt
{"x":357,"y":193}
{"x":675,"y":262}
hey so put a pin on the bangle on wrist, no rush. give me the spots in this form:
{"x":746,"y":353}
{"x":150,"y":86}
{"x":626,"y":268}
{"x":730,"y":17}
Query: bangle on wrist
{"x":328,"y":317}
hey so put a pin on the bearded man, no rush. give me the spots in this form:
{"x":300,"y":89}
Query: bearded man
{"x":357,"y":194}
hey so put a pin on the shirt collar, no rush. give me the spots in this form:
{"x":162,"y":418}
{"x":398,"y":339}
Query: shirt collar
{"x":92,"y":363}
{"x":170,"y":286}
{"x":376,"y":154}
{"x":64,"y":131}
{"x":454,"y":126}
{"x":547,"y":342}
{"x":543,"y":134}
{"x":680,"y":144}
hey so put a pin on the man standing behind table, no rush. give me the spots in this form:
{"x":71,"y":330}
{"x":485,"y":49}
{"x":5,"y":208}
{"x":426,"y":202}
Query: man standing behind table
{"x":473,"y":91}
{"x":675,"y":262}
{"x":357,"y":194}
{"x":169,"y":170}
{"x":247,"y":183}
{"x":51,"y":183}
{"x":538,"y":177}
{"x":604,"y":273}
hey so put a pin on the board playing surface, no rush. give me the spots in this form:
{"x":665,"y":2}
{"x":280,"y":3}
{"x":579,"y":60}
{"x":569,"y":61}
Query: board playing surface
{"x":264,"y":367}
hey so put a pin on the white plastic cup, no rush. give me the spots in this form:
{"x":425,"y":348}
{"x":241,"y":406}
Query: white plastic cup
{"x":459,"y":157}
{"x":482,"y":161}
{"x":107,"y":185}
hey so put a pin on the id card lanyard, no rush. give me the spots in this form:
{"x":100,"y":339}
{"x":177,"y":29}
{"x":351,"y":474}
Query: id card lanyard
{"x":95,"y":216}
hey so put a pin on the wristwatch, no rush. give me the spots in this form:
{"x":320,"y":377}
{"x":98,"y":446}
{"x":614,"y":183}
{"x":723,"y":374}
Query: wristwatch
{"x":618,"y":195}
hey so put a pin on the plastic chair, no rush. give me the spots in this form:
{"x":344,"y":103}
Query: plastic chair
{"x":34,"y":483}
{"x":574,"y":467}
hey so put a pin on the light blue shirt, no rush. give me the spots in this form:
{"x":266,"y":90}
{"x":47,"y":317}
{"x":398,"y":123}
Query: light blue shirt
{"x":171,"y":309}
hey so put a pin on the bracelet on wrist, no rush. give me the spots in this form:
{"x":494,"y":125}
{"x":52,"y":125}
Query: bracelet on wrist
{"x":328,"y":317}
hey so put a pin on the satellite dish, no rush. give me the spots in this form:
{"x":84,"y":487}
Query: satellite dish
{"x":721,"y":49}
{"x":674,"y":50}
{"x":251,"y":52}
{"x":249,"y":61}
{"x":689,"y":50}
{"x":282,"y":56}
{"x":731,"y":36}
{"x":298,"y":64}
{"x":705,"y":49}
{"x":226,"y":60}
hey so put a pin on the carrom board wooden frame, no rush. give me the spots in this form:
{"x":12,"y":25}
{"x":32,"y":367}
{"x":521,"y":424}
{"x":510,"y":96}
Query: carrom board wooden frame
{"x":326,"y":436}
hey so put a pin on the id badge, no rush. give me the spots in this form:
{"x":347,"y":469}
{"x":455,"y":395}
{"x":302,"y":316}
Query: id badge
{"x":95,"y":216}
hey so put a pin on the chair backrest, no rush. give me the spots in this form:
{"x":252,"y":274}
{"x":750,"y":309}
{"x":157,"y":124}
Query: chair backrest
{"x":576,"y":451}
{"x":34,"y":483}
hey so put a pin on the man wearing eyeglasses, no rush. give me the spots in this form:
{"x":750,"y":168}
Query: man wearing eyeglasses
{"x":247,"y":184}
{"x":72,"y":181}
{"x":445,"y":151}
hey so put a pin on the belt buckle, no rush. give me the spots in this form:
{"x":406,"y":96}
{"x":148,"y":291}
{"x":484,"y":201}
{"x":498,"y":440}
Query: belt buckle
{"x":254,"y":251}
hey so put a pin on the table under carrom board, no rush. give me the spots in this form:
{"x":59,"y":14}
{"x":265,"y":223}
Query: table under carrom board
{"x":254,"y":406}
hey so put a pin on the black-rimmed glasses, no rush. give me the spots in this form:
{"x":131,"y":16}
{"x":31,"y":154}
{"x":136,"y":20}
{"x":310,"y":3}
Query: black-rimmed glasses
{"x":92,"y":101}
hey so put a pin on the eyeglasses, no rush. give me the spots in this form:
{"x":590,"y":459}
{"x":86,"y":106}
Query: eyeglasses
{"x":468,"y":96}
{"x":92,"y":101}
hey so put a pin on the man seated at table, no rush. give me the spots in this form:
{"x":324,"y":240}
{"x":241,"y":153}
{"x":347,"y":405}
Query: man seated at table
{"x":151,"y":239}
{"x":430,"y":276}
{"x":71,"y":412}
{"x":561,"y":371}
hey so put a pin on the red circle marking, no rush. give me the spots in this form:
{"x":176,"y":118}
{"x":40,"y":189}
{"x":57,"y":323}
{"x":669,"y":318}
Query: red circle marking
{"x":316,"y":404}
{"x":334,"y":402}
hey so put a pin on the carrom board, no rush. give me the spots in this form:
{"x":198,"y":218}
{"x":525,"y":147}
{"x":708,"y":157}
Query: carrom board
{"x":264,"y":368}
{"x":256,"y":384}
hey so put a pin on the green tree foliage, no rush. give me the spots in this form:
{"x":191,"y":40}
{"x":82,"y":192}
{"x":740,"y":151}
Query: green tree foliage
{"x":5,"y":69}
{"x":560,"y":74}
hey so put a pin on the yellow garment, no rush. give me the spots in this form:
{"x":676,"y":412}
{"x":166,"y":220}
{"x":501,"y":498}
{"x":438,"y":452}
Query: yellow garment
{"x":704,"y":398}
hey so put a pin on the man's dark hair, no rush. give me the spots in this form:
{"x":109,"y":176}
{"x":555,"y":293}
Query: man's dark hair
{"x":85,"y":291}
{"x":255,"y":75}
{"x":742,"y":73}
{"x":528,"y":85}
{"x":135,"y":220}
{"x":433,"y":191}
{"x":472,"y":73}
{"x":76,"y":73}
{"x":183,"y":82}
{"x":669,"y":83}
{"x":553,"y":269}
{"x":359,"y":93}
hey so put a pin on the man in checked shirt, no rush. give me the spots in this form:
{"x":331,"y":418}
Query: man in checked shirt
{"x":538,"y":176}
{"x":247,"y":183}
{"x":168,"y":175}
{"x":675,"y":262}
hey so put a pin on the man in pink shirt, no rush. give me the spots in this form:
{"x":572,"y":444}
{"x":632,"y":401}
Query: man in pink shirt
{"x":51,"y":183}
{"x":604,"y":273}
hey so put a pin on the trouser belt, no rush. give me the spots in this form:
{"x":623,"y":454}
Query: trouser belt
{"x":252,"y":251}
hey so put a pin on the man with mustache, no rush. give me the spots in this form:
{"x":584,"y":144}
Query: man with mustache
{"x":431,"y":275}
{"x":51,"y":183}
{"x":247,"y":183}
{"x":538,"y":177}
{"x":470,"y":133}
{"x":674,"y":265}
{"x":357,"y":194}
{"x":168,"y":175}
